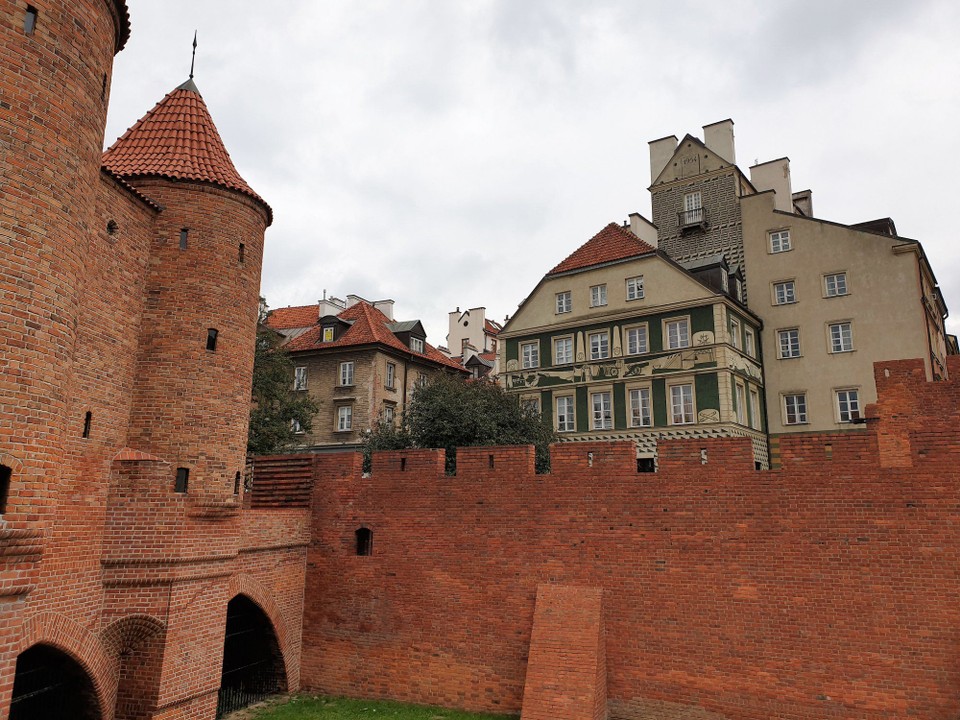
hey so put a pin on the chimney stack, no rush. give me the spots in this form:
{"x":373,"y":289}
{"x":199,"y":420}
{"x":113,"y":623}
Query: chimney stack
{"x":660,"y":153}
{"x":774,"y":175}
{"x":643,"y":229}
{"x":718,"y":137}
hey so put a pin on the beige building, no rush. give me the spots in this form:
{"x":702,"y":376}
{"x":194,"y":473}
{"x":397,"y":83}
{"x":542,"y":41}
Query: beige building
{"x":833,"y":298}
{"x":472,"y":341}
{"x":357,"y":362}
{"x":619,"y":342}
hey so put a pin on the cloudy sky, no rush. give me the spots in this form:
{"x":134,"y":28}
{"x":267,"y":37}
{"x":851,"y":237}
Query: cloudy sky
{"x":448,"y":153}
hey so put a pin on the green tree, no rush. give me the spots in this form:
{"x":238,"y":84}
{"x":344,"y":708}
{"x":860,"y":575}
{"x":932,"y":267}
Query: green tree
{"x":275,"y":407}
{"x":449,"y":412}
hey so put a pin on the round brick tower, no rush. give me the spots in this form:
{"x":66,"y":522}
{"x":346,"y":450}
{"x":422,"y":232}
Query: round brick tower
{"x":56,"y":60}
{"x":192,"y":392}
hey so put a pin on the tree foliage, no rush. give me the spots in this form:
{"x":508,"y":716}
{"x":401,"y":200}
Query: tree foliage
{"x":449,"y":412}
{"x":275,"y":405}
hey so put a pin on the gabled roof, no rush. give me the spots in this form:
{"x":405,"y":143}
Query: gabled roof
{"x":610,"y":244}
{"x":178,"y":140}
{"x":296,"y":316}
{"x":368,"y":326}
{"x":492,"y":328}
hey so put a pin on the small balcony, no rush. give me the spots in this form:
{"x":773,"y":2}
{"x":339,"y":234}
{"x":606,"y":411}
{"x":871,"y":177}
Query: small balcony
{"x":690,"y":220}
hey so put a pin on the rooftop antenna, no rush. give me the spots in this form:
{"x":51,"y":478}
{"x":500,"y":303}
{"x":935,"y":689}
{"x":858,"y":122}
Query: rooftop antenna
{"x":194,"y":58}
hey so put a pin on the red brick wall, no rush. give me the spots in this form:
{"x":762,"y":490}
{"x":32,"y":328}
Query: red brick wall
{"x":821,"y":590}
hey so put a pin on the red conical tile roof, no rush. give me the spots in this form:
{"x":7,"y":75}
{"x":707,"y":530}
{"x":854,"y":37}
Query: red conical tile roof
{"x":177,"y":140}
{"x":611,"y":243}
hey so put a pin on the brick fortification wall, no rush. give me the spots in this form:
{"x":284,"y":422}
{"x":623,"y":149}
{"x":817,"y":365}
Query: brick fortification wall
{"x":106,"y":388}
{"x":826,"y":589}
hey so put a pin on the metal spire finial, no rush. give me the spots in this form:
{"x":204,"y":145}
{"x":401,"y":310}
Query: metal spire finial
{"x":194,"y":58}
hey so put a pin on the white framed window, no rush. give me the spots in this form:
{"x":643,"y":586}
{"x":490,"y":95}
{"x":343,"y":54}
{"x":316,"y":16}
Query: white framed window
{"x":637,"y":340}
{"x":529,"y":355}
{"x":635,"y":288}
{"x":692,"y":208}
{"x":677,"y":333}
{"x":780,"y":241}
{"x":754,"y":409}
{"x":725,"y":282}
{"x":562,"y":351}
{"x":848,"y":405}
{"x":328,"y":334}
{"x":391,"y":379}
{"x":738,"y":288}
{"x":416,"y":344}
{"x":389,"y":414}
{"x":841,"y":337}
{"x":784,"y":292}
{"x":421,"y":380}
{"x":300,"y":378}
{"x":296,"y":427}
{"x":564,"y":302}
{"x":566,"y":418}
{"x":346,"y":373}
{"x":740,"y":393}
{"x":602,"y":410}
{"x":788,"y":342}
{"x":598,"y":296}
{"x":344,"y":418}
{"x":795,"y":409}
{"x":835,"y":285}
{"x":749,"y":342}
{"x":599,"y":346}
{"x":681,"y":404}
{"x":735,"y":333}
{"x":641,"y":411}
{"x":531,"y":404}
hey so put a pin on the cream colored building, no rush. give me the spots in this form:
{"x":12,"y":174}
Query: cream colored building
{"x":619,"y":342}
{"x":833,"y":298}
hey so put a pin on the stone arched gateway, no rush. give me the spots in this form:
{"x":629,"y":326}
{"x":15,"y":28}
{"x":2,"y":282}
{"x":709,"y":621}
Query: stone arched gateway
{"x":253,"y":663}
{"x":62,"y":671}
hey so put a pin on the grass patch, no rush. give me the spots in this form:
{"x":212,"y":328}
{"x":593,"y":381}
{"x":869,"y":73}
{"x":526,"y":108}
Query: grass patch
{"x":308,"y":707}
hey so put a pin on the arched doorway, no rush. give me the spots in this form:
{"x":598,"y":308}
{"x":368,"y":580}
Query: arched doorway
{"x":51,"y":685}
{"x":252,"y":662}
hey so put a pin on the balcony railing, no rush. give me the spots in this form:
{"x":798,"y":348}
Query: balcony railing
{"x":696,"y":218}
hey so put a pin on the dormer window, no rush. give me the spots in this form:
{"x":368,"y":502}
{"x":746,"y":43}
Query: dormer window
{"x":416,"y":344}
{"x":328,"y":334}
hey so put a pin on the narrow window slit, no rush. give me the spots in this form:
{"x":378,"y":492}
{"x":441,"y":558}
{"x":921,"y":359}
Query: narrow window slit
{"x":703,"y":456}
{"x":183,"y":480}
{"x":241,"y":252}
{"x":6,"y":476}
{"x":589,"y":459}
{"x":212,"y":334}
{"x":236,"y":483}
{"x":403,"y":464}
{"x":490,"y":460}
{"x":364,"y":541}
{"x":87,"y":420}
{"x":30,"y":20}
{"x":184,"y":234}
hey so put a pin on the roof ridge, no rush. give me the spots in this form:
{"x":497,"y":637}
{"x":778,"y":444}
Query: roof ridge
{"x":613,"y":242}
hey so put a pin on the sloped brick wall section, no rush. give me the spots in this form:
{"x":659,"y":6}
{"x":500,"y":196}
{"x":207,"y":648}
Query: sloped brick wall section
{"x":825,"y":589}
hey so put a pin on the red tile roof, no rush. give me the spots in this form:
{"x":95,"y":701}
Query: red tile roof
{"x":296,"y":316}
{"x":369,"y":327}
{"x":612,"y":243}
{"x":177,"y":139}
{"x":492,"y":328}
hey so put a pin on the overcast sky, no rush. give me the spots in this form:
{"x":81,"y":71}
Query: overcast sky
{"x":449,"y":153}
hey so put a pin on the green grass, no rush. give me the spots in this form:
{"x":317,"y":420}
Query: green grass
{"x":307,"y":707}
